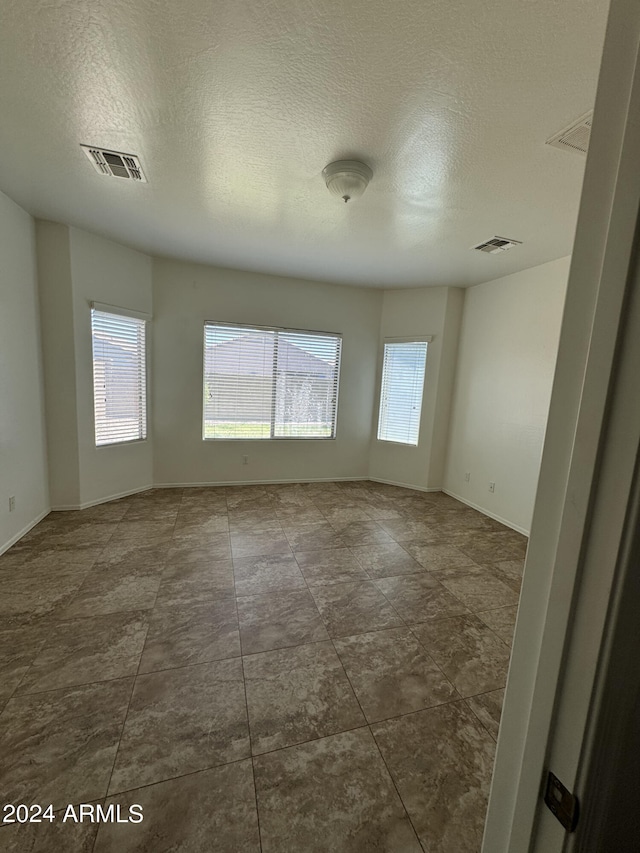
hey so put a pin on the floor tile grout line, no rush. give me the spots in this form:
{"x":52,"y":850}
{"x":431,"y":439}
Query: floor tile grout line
{"x":24,"y":675}
{"x":368,"y":726}
{"x":255,"y":795}
{"x":397,"y":790}
{"x":314,"y":604}
{"x":146,"y":637}
{"x":155,"y":597}
{"x":493,"y":737}
{"x":206,"y":769}
{"x":64,"y":620}
{"x":466,"y":616}
{"x":126,"y":717}
{"x":187,"y":665}
{"x":246,"y":707}
{"x":434,"y":661}
{"x":78,"y":685}
{"x":388,"y":600}
{"x":344,"y":669}
{"x":451,"y":616}
{"x":495,"y":633}
{"x":307,"y":741}
{"x":124,"y":721}
{"x":455,"y":698}
{"x":183,"y":665}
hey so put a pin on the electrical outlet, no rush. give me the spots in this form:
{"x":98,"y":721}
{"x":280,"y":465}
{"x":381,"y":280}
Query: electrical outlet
{"x":467,"y":476}
{"x":12,"y":503}
{"x":492,"y":487}
{"x":245,"y":460}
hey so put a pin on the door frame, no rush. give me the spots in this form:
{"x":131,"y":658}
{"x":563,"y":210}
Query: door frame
{"x":608,"y":784}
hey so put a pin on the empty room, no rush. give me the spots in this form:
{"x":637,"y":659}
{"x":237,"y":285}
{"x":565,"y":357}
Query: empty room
{"x":281,"y":295}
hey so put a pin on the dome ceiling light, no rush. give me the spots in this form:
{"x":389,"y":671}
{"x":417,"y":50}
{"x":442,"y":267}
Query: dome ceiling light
{"x":347,"y":178}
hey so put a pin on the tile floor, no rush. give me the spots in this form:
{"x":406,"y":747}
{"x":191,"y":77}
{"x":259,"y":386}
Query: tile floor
{"x":313,"y":667}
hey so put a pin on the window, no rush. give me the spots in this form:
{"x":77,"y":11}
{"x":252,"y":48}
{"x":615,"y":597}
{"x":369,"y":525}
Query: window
{"x":119,"y":377}
{"x":401,"y":392}
{"x":266,"y":383}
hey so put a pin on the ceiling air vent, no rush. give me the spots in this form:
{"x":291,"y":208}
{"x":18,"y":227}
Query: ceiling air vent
{"x":496,"y":245}
{"x":115,"y":164}
{"x":575,"y":137}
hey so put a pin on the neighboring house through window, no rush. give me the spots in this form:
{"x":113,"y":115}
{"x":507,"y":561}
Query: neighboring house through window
{"x":269,"y":383}
{"x":403,"y":372}
{"x":119,"y":376}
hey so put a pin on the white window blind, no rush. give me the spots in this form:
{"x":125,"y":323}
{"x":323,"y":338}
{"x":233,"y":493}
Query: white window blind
{"x":401,"y":392}
{"x":119,"y":377}
{"x":265,"y":383}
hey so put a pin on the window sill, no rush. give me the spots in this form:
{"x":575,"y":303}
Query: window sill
{"x":277,"y":438}
{"x":121,"y":443}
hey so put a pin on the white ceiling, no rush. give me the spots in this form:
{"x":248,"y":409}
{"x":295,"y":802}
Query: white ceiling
{"x":235,"y":107}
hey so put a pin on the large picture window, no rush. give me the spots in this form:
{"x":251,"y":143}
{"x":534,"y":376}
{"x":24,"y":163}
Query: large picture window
{"x":401,"y":392}
{"x":119,"y":377}
{"x":267,"y":383}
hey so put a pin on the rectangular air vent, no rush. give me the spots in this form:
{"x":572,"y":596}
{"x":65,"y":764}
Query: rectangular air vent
{"x":575,"y":137}
{"x":115,"y":164}
{"x":496,"y":245}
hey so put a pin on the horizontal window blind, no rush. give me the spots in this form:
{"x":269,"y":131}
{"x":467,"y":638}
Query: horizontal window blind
{"x":401,"y":393}
{"x":119,"y":377}
{"x":269,"y":383}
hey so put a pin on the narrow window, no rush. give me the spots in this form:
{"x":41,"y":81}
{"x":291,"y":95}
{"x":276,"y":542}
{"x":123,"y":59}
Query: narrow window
{"x":119,"y":377}
{"x":401,"y":393}
{"x":268,"y":383}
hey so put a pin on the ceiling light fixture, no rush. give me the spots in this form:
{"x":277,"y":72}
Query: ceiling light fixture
{"x":347,"y":178}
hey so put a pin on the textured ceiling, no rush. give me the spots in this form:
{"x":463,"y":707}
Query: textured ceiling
{"x":235,"y":107}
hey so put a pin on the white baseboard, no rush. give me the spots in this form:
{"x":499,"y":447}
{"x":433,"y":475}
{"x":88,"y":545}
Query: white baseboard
{"x":258,"y":482}
{"x":5,"y":547}
{"x":404,"y":485}
{"x":24,"y":531}
{"x":485,"y":511}
{"x":87,"y":504}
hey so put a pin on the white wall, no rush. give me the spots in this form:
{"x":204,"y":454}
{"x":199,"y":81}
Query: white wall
{"x":185,"y":295}
{"x":506,"y":361}
{"x":450,"y":343}
{"x":419,"y":312}
{"x":59,"y":361}
{"x":103,"y":271}
{"x":23,"y":458}
{"x":75,"y":269}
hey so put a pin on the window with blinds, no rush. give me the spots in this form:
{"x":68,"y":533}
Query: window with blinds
{"x":119,"y":377}
{"x":401,"y":393}
{"x":267,"y":383}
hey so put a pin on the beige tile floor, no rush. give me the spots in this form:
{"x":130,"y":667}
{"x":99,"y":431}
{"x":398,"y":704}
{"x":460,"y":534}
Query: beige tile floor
{"x":313,"y":667}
